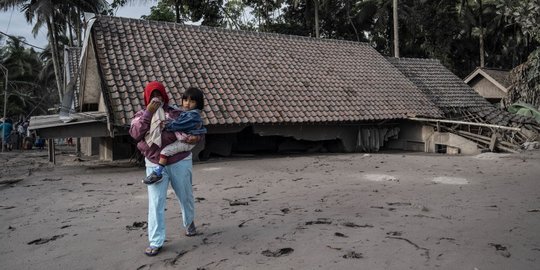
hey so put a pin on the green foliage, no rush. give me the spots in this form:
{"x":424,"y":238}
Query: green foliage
{"x":25,"y":89}
{"x":525,"y":13}
{"x":448,"y":30}
{"x":525,"y":80}
{"x":525,"y":77}
{"x":236,"y":17}
{"x":209,"y":11}
{"x":161,"y":12}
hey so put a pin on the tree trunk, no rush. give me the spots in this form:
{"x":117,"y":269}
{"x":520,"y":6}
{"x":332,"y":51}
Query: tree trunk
{"x":316,"y":3}
{"x":396,"y":29}
{"x":351,"y":22}
{"x":55,"y":57}
{"x":79,"y":30}
{"x":177,"y":10}
{"x":480,"y":13}
{"x":70,"y":28}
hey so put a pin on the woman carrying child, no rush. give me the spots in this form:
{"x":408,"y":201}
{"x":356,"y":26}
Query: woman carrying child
{"x":151,"y":140}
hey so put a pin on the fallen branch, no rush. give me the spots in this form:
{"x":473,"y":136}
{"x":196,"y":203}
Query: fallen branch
{"x":426,"y":251}
{"x":10,"y":181}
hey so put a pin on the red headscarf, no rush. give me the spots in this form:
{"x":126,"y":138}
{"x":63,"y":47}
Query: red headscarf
{"x":155,"y":86}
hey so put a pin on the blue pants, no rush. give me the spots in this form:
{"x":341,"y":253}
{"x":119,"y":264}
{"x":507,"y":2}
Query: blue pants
{"x":179,"y":175}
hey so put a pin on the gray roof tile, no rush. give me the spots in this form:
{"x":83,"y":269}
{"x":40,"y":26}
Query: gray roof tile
{"x":451,"y":94}
{"x":73,"y":58}
{"x":251,"y":77}
{"x":442,"y":86}
{"x":501,"y":76}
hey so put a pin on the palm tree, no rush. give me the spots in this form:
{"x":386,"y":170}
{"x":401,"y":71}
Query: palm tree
{"x":50,"y":13}
{"x":24,"y":66}
{"x":316,"y":6}
{"x":475,"y":17}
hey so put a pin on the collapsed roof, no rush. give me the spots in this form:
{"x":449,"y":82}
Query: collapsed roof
{"x":250,"y":77}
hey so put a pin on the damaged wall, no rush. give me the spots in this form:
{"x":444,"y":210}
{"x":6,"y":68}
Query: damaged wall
{"x":412,"y":137}
{"x":347,"y":134}
{"x":454,"y":141}
{"x":415,"y":136}
{"x":301,"y":138}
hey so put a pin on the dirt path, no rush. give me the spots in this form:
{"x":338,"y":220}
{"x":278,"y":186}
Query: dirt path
{"x":344,"y":211}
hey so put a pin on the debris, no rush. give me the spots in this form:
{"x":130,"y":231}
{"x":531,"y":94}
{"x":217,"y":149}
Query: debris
{"x":227,"y":188}
{"x":174,"y":260}
{"x":398,"y":203}
{"x":137,"y":225}
{"x":42,"y":241}
{"x":353,"y":255}
{"x":319,"y":221}
{"x":236,"y":202}
{"x":426,"y":251}
{"x":530,"y":145}
{"x":51,"y":179}
{"x":244,"y":222}
{"x":10,"y":181}
{"x":338,"y":234}
{"x":277,"y":253}
{"x":501,"y":250}
{"x":336,"y":248}
{"x":354,"y":225}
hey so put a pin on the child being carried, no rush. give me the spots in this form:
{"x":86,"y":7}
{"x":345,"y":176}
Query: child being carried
{"x":188,"y":123}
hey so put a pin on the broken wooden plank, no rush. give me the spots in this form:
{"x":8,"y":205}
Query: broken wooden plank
{"x":493,"y":142}
{"x":463,"y":123}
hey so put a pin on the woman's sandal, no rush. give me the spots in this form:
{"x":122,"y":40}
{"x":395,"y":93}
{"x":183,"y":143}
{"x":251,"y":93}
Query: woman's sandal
{"x":152,"y":251}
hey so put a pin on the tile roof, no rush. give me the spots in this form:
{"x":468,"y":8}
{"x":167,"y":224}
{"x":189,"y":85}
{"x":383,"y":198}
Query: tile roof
{"x":73,"y":58}
{"x":501,"y":76}
{"x":250,"y":77}
{"x":456,"y":98}
{"x":442,"y":86}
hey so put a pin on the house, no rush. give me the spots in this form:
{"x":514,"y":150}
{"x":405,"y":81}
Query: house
{"x":263,"y":91}
{"x":492,"y":84}
{"x":475,"y":123}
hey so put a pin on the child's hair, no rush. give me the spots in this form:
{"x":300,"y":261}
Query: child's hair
{"x":196,"y":94}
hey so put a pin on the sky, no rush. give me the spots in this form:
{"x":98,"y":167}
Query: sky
{"x":12,"y":22}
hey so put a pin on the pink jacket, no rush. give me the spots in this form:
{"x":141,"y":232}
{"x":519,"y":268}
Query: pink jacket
{"x":141,"y":124}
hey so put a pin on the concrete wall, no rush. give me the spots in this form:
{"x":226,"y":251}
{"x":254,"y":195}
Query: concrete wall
{"x":91,"y":89}
{"x":414,"y":136}
{"x":106,"y":148}
{"x":90,"y":146}
{"x":453,"y":142}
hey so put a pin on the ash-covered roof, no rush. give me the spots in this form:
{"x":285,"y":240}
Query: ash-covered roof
{"x":250,"y":77}
{"x":442,"y":86}
{"x":73,"y":71}
{"x":452,"y":95}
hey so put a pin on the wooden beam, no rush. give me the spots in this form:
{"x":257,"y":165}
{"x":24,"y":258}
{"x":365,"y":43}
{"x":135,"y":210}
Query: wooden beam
{"x":493,"y":142}
{"x":52,"y":154}
{"x":463,"y":123}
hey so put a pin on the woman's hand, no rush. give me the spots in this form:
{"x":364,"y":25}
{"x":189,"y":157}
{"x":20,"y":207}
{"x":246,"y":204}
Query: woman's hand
{"x":153,"y":106}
